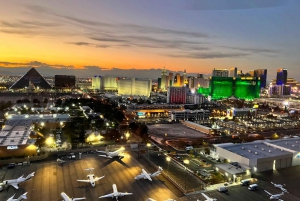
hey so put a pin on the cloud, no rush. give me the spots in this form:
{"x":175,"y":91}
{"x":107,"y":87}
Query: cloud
{"x":88,"y":44}
{"x":211,"y":55}
{"x":253,"y":50}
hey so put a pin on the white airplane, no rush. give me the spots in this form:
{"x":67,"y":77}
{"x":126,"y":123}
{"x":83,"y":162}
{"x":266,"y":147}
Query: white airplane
{"x":60,"y":161}
{"x":208,"y":198}
{"x":146,"y":175}
{"x":150,"y":199}
{"x":92,"y":179}
{"x":274,"y":196}
{"x":113,"y":154}
{"x":22,"y":197}
{"x":280,"y":186}
{"x":67,"y":198}
{"x":15,"y":182}
{"x":115,"y":193}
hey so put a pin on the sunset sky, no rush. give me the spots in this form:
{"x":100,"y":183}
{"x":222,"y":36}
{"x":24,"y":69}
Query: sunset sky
{"x":196,"y":35}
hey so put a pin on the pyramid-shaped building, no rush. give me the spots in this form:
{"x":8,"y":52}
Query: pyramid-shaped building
{"x":31,"y":79}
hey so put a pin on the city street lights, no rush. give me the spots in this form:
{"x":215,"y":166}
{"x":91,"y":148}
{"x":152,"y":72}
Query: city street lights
{"x":148,"y":145}
{"x":168,"y":159}
{"x":186,"y":162}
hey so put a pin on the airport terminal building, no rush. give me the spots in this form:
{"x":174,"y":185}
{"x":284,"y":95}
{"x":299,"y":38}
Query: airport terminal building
{"x":262,"y":155}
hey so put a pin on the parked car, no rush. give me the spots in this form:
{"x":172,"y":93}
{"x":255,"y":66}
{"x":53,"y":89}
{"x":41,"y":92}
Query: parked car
{"x":11,"y":165}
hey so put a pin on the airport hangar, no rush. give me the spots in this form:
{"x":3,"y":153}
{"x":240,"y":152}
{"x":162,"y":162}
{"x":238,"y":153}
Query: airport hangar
{"x":262,"y":155}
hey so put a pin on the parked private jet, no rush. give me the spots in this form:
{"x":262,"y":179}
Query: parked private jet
{"x":208,"y":198}
{"x":15,"y":182}
{"x":115,"y":193}
{"x":280,"y":186}
{"x":67,"y":198}
{"x":113,"y":154}
{"x":92,"y":179}
{"x":146,"y":175}
{"x":60,"y":161}
{"x":274,"y":196}
{"x":22,"y":197}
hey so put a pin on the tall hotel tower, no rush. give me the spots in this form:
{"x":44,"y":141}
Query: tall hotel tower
{"x":163,"y":79}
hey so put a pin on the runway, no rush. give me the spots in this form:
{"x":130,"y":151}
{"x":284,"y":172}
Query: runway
{"x":51,"y":179}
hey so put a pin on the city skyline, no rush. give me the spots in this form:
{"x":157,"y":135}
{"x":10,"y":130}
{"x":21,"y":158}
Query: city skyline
{"x":137,"y":37}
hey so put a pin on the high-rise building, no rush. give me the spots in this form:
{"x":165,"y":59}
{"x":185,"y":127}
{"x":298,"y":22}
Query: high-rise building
{"x":262,"y":74}
{"x":134,"y":87}
{"x":281,"y":77}
{"x":226,"y":87}
{"x":64,"y":81}
{"x":163,"y":82}
{"x":176,"y":80}
{"x":220,"y":72}
{"x":104,"y":83}
{"x":177,"y":95}
{"x":233,"y":72}
{"x":170,"y":79}
{"x":279,"y":90}
{"x":185,"y":80}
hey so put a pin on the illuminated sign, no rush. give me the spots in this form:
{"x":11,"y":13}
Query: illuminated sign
{"x":141,"y":114}
{"x":12,"y":147}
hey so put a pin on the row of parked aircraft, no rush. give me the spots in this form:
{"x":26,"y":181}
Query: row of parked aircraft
{"x":277,"y":196}
{"x":15,"y":183}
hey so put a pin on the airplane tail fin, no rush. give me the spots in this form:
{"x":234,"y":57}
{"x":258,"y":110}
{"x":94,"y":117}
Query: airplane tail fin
{"x":30,"y":176}
{"x":24,"y":196}
{"x":21,"y":177}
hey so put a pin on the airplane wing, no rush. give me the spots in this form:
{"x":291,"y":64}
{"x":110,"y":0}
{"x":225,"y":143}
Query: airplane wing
{"x":107,"y":196}
{"x":98,"y":178}
{"x":122,"y":194}
{"x":15,"y":186}
{"x":146,"y":174}
{"x":105,"y":156}
{"x":100,"y":151}
{"x":74,"y":199}
{"x":206,"y":197}
{"x":84,"y":181}
{"x":11,"y":198}
{"x":268,"y":193}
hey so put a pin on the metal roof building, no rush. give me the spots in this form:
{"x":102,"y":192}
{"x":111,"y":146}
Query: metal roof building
{"x":262,"y":155}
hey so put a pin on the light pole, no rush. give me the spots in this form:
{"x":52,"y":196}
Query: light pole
{"x":186,"y":162}
{"x":148,"y":145}
{"x":168,"y":159}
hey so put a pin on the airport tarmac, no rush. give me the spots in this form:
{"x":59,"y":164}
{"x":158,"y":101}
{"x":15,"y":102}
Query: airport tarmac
{"x":51,"y":179}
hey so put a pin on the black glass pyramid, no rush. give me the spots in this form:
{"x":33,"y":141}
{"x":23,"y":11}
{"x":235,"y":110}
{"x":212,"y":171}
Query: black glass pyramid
{"x":32,"y":77}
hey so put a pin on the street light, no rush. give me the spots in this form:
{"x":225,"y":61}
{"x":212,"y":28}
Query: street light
{"x":49,"y":141}
{"x":168,"y":159}
{"x":186,"y":162}
{"x":148,"y":145}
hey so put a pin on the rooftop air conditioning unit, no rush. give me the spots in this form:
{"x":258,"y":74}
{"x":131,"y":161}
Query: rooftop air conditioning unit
{"x":255,"y":146}
{"x":269,"y":151}
{"x":243,"y":148}
{"x":286,"y":143}
{"x":256,"y":153}
{"x":249,"y":151}
{"x":262,"y":149}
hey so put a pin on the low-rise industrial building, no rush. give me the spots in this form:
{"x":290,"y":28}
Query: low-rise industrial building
{"x":262,"y":155}
{"x":189,"y":114}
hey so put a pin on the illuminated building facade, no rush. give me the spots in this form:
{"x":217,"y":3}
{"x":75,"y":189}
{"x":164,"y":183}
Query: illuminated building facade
{"x":134,"y":87}
{"x":226,"y":87}
{"x":220,"y":73}
{"x":233,"y":72}
{"x":104,"y":83}
{"x":177,"y":95}
{"x":281,"y":77}
{"x":280,"y":90}
{"x":163,"y":81}
{"x":262,"y":74}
